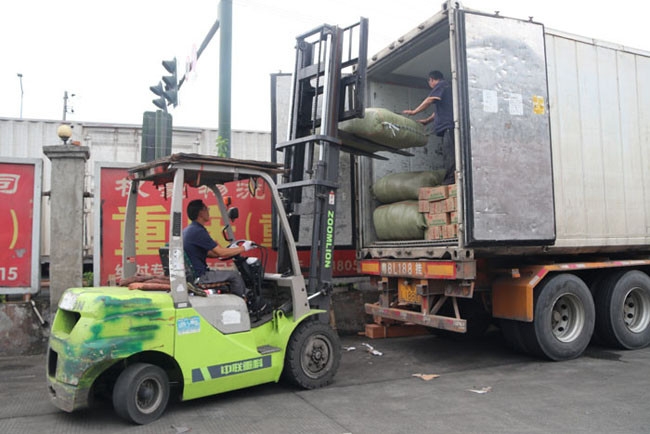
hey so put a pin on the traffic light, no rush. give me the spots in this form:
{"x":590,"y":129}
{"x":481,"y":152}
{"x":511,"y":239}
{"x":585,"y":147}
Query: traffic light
{"x":171,"y":81}
{"x":160,"y":102}
{"x":168,"y":94}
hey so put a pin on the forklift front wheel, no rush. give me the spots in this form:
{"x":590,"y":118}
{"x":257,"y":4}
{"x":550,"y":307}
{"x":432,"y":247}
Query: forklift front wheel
{"x":141,"y":393}
{"x":313,"y":355}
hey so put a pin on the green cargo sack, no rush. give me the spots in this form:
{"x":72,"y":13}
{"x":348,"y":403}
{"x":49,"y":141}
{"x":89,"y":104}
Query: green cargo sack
{"x":399,"y":221}
{"x":405,"y":186}
{"x":386,"y":128}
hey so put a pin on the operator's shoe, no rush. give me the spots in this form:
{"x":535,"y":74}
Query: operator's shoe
{"x":259,"y":306}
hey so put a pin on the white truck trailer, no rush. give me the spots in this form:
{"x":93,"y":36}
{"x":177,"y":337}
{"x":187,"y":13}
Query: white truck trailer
{"x":552,"y":143}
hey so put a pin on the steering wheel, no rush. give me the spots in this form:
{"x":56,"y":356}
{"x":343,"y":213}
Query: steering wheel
{"x":238,"y":243}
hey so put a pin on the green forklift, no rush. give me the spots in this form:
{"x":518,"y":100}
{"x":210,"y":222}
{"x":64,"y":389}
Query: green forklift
{"x":141,"y":348}
{"x":146,"y":346}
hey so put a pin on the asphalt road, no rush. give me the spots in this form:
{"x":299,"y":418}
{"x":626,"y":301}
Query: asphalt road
{"x":483,"y":387}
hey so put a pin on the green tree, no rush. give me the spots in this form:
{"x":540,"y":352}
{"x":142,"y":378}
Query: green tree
{"x":88,"y":278}
{"x":222,"y":147}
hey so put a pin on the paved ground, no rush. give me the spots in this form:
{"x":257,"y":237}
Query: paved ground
{"x":605,"y":391}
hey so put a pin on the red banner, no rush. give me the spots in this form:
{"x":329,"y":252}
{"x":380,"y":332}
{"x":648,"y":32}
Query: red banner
{"x":152,"y":224}
{"x":16,"y":221}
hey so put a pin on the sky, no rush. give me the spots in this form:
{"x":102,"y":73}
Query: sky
{"x":108,"y":53}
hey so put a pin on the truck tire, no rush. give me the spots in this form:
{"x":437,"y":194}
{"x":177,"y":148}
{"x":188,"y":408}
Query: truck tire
{"x":313,"y":355}
{"x":141,"y":393}
{"x":623,"y":310}
{"x":564,"y":317}
{"x":512,"y":332}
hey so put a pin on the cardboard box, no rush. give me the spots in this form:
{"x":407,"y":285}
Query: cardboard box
{"x":437,"y":219}
{"x":449,"y":204}
{"x":449,"y":231}
{"x":433,"y":193}
{"x":438,"y":207}
{"x":453,"y":217}
{"x":451,"y":190}
{"x":433,"y":233}
{"x":423,"y":206}
{"x":443,"y":232}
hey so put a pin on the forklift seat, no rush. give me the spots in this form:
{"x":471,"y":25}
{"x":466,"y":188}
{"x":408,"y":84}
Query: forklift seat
{"x":221,"y":287}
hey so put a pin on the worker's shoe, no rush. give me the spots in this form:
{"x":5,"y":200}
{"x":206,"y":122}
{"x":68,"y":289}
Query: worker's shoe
{"x":259,"y":306}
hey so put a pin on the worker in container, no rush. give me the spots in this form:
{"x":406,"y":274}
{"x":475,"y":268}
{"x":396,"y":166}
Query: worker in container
{"x":199,"y":245}
{"x":441,"y":97}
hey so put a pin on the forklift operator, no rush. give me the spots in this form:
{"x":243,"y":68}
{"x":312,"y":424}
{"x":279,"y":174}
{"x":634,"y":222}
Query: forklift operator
{"x":198,"y":245}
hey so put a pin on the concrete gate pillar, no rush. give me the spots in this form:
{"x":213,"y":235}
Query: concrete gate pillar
{"x":66,"y":218}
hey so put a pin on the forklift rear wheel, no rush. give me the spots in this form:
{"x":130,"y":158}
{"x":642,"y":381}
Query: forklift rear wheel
{"x":141,"y":393}
{"x":313,"y":355}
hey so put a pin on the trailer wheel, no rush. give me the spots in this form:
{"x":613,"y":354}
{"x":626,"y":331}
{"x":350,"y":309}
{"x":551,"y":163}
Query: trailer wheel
{"x":564,"y":317}
{"x":313,"y":355}
{"x":623,"y":310}
{"x":141,"y":393}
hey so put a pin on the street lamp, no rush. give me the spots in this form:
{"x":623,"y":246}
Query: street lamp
{"x":20,"y":77}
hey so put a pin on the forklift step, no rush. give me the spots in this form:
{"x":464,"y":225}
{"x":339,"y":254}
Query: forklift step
{"x":267,"y":349}
{"x":377,"y":331}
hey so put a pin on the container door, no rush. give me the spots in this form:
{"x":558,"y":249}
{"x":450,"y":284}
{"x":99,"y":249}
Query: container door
{"x":504,"y":131}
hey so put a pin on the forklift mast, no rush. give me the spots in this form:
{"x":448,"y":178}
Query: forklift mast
{"x":328,"y":86}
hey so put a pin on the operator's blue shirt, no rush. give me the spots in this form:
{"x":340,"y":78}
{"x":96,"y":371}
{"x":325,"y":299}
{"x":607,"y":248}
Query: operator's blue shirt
{"x":444,"y":118}
{"x":197,"y":242}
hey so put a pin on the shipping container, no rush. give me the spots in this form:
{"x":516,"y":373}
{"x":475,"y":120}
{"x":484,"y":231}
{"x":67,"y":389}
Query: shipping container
{"x":552,"y":204}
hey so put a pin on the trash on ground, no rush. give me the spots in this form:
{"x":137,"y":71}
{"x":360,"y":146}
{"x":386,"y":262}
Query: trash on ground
{"x":372,"y":351}
{"x":426,"y":377}
{"x":349,"y":348}
{"x":482,"y":390}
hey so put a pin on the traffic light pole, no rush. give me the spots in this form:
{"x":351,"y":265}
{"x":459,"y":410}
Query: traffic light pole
{"x":158,"y":89}
{"x":157,"y":126}
{"x":225,"y":78}
{"x":205,"y":43}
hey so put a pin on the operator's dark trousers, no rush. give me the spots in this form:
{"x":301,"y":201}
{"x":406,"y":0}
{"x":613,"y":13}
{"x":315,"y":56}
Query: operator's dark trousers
{"x":448,"y":157}
{"x":235,"y":280}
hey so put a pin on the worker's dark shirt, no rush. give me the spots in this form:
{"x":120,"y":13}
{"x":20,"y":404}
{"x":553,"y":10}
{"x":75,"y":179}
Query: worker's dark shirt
{"x":197,"y":242}
{"x":444,"y":118}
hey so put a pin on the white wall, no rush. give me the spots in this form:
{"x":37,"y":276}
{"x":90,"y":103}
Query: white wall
{"x":25,"y":138}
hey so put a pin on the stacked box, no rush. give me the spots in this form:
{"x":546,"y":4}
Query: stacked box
{"x":437,"y":207}
{"x":451,"y":190}
{"x":434,"y":193}
{"x":443,"y":232}
{"x":442,"y":206}
{"x":440,"y":219}
{"x":438,"y":204}
{"x":433,"y":233}
{"x":449,"y":231}
{"x":450,"y":204}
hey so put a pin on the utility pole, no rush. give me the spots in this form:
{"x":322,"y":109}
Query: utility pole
{"x":65,"y":104}
{"x":20,"y":77}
